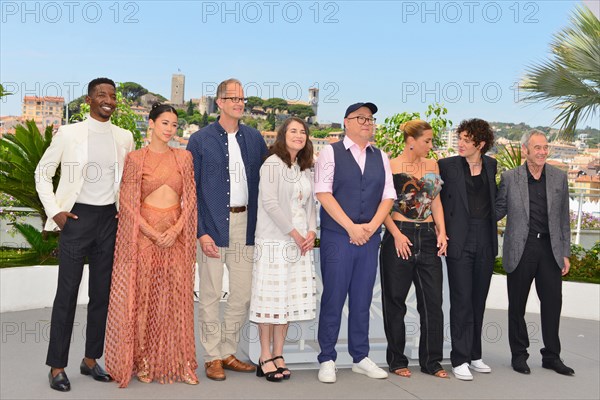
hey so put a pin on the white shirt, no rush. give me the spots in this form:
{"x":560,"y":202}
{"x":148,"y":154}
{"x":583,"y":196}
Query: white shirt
{"x":238,"y":181}
{"x":99,"y":173}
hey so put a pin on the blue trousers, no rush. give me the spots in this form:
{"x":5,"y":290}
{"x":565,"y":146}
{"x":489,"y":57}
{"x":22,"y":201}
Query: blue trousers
{"x":346,"y":270}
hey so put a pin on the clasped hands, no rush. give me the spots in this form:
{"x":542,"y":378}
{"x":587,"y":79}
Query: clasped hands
{"x":360,"y":233}
{"x":165,"y":239}
{"x":305,"y":244}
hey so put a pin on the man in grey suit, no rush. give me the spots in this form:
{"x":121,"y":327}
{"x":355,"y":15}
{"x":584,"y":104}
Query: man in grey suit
{"x":535,"y":196}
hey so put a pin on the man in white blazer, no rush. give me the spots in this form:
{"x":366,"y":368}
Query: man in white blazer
{"x":84,"y":207}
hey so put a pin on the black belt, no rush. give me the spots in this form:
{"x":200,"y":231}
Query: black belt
{"x":539,"y":235}
{"x":415,"y":225}
{"x":239,"y":209}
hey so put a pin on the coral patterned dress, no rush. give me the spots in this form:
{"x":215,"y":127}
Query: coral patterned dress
{"x":150,"y":326}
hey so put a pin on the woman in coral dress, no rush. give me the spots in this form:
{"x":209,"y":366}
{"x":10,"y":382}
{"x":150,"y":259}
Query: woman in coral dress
{"x":150,"y":327}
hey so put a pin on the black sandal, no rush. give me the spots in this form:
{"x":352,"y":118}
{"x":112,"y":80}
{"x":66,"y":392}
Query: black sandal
{"x":270,"y":376}
{"x":281,"y":370}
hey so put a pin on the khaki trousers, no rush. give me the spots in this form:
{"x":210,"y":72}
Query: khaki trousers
{"x":220,"y":338}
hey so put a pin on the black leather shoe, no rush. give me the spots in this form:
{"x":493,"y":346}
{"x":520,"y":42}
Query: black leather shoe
{"x":521,"y":366}
{"x":96,"y":372}
{"x":558,"y":366}
{"x":59,"y":382}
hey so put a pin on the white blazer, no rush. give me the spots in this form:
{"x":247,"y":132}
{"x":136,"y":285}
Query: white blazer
{"x":69,"y":148}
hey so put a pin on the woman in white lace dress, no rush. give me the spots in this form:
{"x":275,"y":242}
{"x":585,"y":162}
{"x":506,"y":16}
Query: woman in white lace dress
{"x":283,"y":279}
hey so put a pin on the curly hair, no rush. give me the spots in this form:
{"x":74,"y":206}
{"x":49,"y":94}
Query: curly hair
{"x":478,"y":131}
{"x":304,"y":157}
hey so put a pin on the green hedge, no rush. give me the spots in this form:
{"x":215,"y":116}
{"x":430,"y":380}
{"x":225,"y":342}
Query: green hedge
{"x":585,"y":264}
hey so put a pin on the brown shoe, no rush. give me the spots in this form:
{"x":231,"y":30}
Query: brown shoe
{"x":214,"y":370}
{"x":234,"y":364}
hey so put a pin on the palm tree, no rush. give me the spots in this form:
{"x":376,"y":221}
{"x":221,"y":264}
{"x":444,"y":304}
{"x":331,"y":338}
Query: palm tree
{"x":570,"y":80}
{"x":3,"y":93}
{"x":19,"y":155}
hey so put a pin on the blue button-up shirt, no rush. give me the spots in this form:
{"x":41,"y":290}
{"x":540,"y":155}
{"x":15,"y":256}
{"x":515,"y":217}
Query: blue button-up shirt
{"x":211,"y":167}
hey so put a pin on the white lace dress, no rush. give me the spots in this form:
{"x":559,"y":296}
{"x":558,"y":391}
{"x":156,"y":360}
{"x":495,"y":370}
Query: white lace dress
{"x":283,"y":281}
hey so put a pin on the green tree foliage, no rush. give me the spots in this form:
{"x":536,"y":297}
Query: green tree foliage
{"x":20,"y":154}
{"x":271,"y":122}
{"x":390,"y":139}
{"x":75,"y":106}
{"x":43,"y":246}
{"x":570,"y":79}
{"x":251,"y":122}
{"x":276,"y":104}
{"x":301,"y":111}
{"x":160,"y":97}
{"x":322,"y":133}
{"x":3,"y":93}
{"x":190,"y":108}
{"x":204,"y":120}
{"x":254,"y":101}
{"x":123,"y":116}
{"x":132,"y":91}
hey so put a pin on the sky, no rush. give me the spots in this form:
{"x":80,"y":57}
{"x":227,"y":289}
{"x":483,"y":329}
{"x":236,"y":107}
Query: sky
{"x":401,"y":55}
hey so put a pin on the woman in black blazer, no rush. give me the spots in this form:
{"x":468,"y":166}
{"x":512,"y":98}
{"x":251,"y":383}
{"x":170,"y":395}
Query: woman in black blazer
{"x":468,"y":197}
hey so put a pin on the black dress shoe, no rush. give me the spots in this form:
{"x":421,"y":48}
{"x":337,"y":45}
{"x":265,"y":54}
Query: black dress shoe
{"x":558,"y":366}
{"x":59,"y":382}
{"x":96,"y":372}
{"x":521,"y":366}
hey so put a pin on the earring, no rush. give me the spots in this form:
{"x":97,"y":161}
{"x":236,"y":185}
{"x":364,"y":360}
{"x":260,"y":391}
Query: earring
{"x":411,"y":147}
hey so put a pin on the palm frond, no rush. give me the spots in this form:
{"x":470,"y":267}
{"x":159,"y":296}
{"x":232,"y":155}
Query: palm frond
{"x":43,"y":247}
{"x":21,"y":154}
{"x":570,"y":80}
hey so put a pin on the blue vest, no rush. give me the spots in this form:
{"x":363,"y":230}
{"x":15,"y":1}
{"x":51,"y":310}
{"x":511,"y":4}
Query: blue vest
{"x":359,"y":194}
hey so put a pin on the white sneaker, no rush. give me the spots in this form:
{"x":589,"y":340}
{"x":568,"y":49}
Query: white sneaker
{"x":480,"y":366}
{"x":462,"y":372}
{"x":369,"y":368}
{"x":327,"y":372}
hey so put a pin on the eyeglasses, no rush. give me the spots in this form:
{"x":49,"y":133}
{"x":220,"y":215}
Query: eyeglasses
{"x":363,"y":120}
{"x":236,"y":99}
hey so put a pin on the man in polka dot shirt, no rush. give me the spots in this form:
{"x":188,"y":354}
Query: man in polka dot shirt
{"x":227,"y":158}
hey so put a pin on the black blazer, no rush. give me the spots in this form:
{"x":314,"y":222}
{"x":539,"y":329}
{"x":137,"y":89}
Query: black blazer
{"x":456,"y":205}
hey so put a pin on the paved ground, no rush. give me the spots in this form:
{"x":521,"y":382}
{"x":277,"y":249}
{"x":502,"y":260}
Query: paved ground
{"x":25,"y":338}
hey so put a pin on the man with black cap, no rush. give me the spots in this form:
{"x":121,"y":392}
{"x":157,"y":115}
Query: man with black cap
{"x":353,"y":183}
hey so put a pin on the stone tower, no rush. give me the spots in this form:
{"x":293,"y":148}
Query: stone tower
{"x":313,"y":99}
{"x":177,"y":89}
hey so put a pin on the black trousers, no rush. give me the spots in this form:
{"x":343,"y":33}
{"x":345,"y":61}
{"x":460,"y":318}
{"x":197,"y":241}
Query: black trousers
{"x":424,"y":269}
{"x":92,"y":236}
{"x":537,"y":263}
{"x":469,"y":279}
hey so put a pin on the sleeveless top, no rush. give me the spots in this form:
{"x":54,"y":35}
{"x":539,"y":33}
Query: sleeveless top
{"x":416,"y":195}
{"x":160,"y":169}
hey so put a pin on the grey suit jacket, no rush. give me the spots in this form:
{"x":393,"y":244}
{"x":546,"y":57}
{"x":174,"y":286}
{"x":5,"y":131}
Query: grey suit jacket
{"x":513,"y":200}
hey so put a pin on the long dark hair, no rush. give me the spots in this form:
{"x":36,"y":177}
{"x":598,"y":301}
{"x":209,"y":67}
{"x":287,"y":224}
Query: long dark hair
{"x":304,"y":157}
